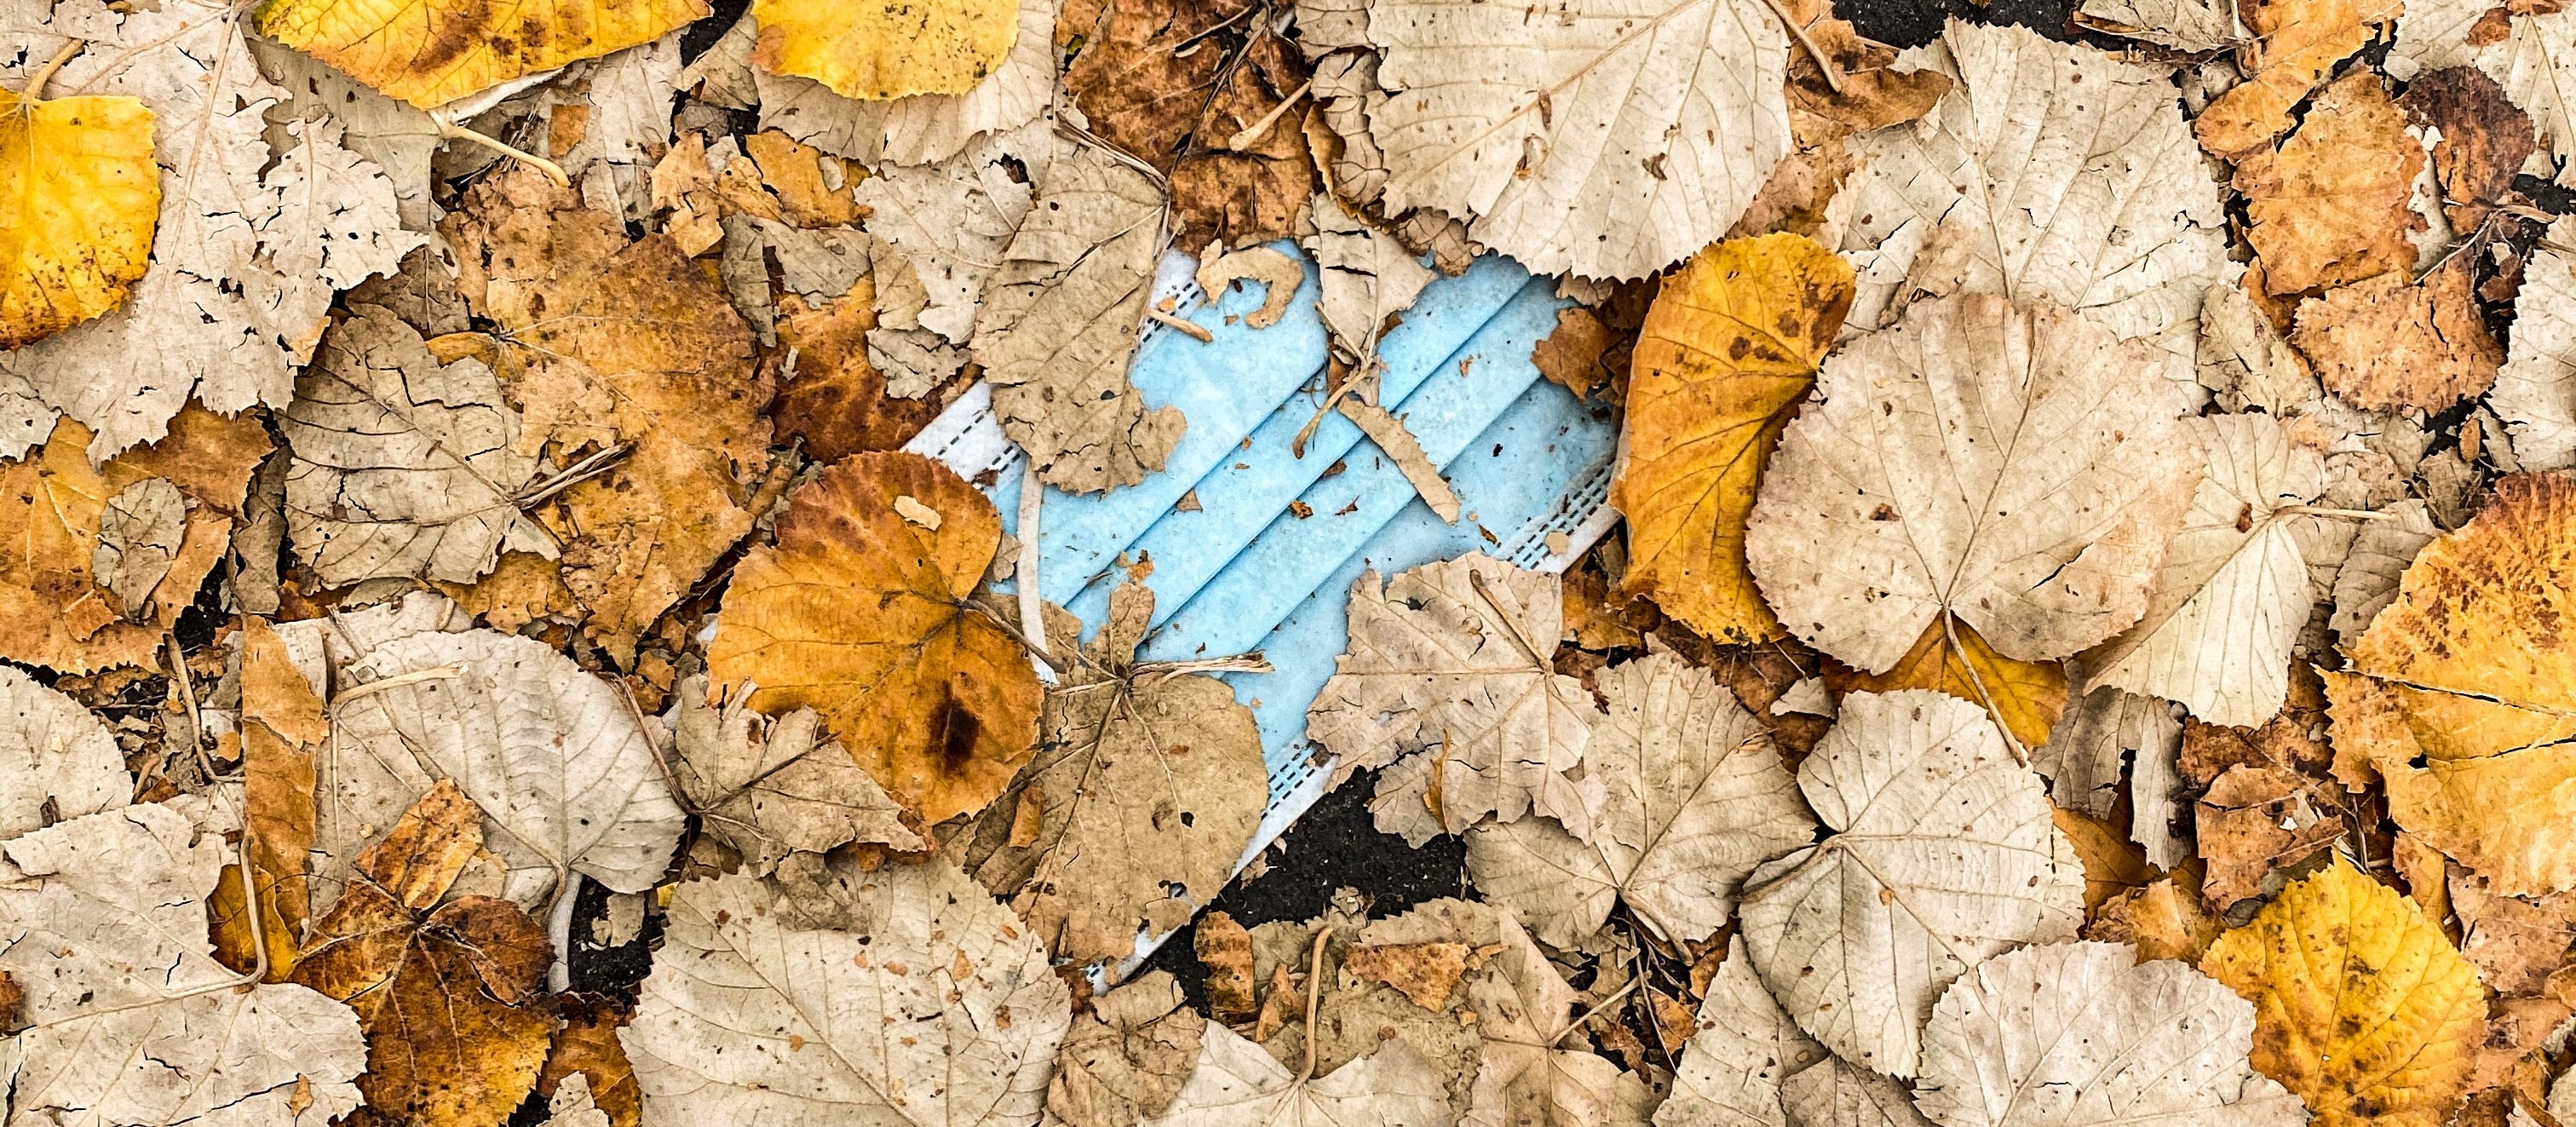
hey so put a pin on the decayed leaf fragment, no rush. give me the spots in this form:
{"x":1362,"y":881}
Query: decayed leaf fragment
{"x":1147,"y":782}
{"x":282,"y":731}
{"x":128,"y":1017}
{"x":861,"y":615}
{"x":2361,"y":1007}
{"x":77,"y":208}
{"x":2329,"y":206}
{"x":2387,"y":343}
{"x":1129,"y":1057}
{"x":2073,"y":1034}
{"x":2012,"y":465}
{"x":1450,"y":661}
{"x":435,"y":52}
{"x":886,"y":51}
{"x":443,"y":990}
{"x":2466,"y":674}
{"x":2294,"y":45}
{"x":1726,"y":354}
{"x":1943,"y":853}
{"x":931,"y":1008}
{"x":1697,"y":799}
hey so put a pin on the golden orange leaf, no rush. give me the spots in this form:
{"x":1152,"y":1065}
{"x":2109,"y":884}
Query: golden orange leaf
{"x":2328,"y":208}
{"x":79,"y":199}
{"x":890,"y":49}
{"x":431,"y":52}
{"x":2025,"y":696}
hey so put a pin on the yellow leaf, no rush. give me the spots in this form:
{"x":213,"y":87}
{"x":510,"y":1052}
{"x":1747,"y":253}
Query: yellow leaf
{"x":861,"y":616}
{"x":2025,"y":696}
{"x":2360,"y":1005}
{"x":79,"y":196}
{"x":1728,"y":350}
{"x":432,"y":52}
{"x":886,"y":49}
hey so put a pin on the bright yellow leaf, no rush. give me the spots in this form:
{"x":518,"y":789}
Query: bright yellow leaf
{"x":432,"y":52}
{"x":79,"y":197}
{"x":2025,"y":696}
{"x":1728,"y":350}
{"x":886,"y":48}
{"x":2360,"y":1005}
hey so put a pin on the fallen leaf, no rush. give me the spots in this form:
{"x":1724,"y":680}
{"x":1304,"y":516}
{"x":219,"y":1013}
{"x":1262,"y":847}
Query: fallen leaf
{"x":1942,"y":853}
{"x":442,"y":989}
{"x":2267,"y":801}
{"x":2385,"y":343}
{"x":1528,"y":1073}
{"x":2193,"y":26}
{"x":2111,"y":863}
{"x":1235,"y":1082}
{"x":2360,"y":1006}
{"x":2514,"y":942}
{"x":1149,"y":782}
{"x":1059,"y":324}
{"x":1224,"y":948}
{"x":572,"y":1106}
{"x":455,"y":48}
{"x":924,"y":128}
{"x":886,"y":51}
{"x":139,"y":536}
{"x":1836,"y":1093}
{"x":863,"y":617}
{"x":771,"y":788}
{"x":283,"y":729}
{"x":57,"y":760}
{"x":834,"y":399}
{"x":82,"y":202}
{"x":2484,"y":139}
{"x":2025,"y":697}
{"x":2094,"y":743}
{"x":1129,"y":1057}
{"x":2084,"y":1033}
{"x":1731,"y":1070}
{"x":2163,"y":920}
{"x":1901,"y":494}
{"x":1727,"y":353}
{"x":2535,"y":391}
{"x":587,"y":1047}
{"x":1366,"y":278}
{"x":1278,"y":275}
{"x":2371,"y":570}
{"x":2329,"y":206}
{"x":1450,"y":660}
{"x":1698,"y":798}
{"x":2245,"y":359}
{"x":2293,"y":46}
{"x":951,"y":221}
{"x":935,"y":998}
{"x":2523,"y":47}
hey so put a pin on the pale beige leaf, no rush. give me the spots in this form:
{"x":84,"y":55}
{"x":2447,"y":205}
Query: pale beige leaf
{"x":2382,"y":549}
{"x":2244,"y":360}
{"x":2535,"y":391}
{"x":1368,"y":277}
{"x":2101,"y":731}
{"x":1606,"y":138}
{"x":57,"y":760}
{"x":138,"y":540}
{"x":1943,"y":854}
{"x":952,"y":220}
{"x":1731,"y":1071}
{"x":1531,"y":1073}
{"x":1277,"y":274}
{"x":572,"y":1106}
{"x":1835,"y":1093}
{"x":1129,"y":1057}
{"x":2013,"y":465}
{"x":769,"y":788}
{"x":932,"y":1009}
{"x":1238,"y":1085}
{"x":924,"y":128}
{"x":1697,"y":799}
{"x":2190,"y":26}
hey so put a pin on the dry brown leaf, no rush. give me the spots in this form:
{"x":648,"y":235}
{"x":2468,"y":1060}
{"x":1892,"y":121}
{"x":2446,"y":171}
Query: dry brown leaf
{"x":2163,"y":920}
{"x":2294,"y":45}
{"x":862,"y":616}
{"x":2113,"y":865}
{"x":769,"y":789}
{"x":2329,"y":207}
{"x":2485,"y":139}
{"x":282,"y":728}
{"x":833,"y":397}
{"x":445,"y":989}
{"x":1128,"y":1058}
{"x":2384,"y":343}
{"x":587,"y":1047}
{"x":2269,"y":802}
{"x":2515,"y":941}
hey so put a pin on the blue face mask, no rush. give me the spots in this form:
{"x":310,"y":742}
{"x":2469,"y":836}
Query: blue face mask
{"x":1241,"y":571}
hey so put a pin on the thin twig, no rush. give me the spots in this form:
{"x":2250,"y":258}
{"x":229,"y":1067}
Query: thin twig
{"x":1606,"y":1003}
{"x":1195,"y":330}
{"x":1244,"y":137}
{"x":2338,"y":514}
{"x":593,"y":466}
{"x":1314,"y":994}
{"x":553,"y":171}
{"x":44,"y":74}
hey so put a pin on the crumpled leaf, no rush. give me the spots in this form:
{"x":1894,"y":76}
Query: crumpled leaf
{"x":2385,"y":343}
{"x":2329,"y":206}
{"x":1059,"y":322}
{"x":2524,"y":48}
{"x":2029,"y":488}
{"x":2361,"y":1007}
{"x":1979,"y":195}
{"x":129,"y":1019}
{"x":951,"y":222}
{"x":606,"y":344}
{"x":404,"y":467}
{"x":2535,"y":391}
{"x":1610,"y":142}
{"x":81,"y":204}
{"x":1697,"y":799}
{"x":1726,"y":355}
{"x":1148,"y":783}
{"x":438,"y":51}
{"x":2268,"y":798}
{"x":57,"y":760}
{"x":1942,"y":853}
{"x":556,"y":757}
{"x":772,"y":788}
{"x":1367,"y":276}
{"x":1731,"y":1070}
{"x":2233,"y":590}
{"x":924,"y":128}
{"x":139,"y":537}
{"x":2084,"y":1033}
{"x":2106,"y":729}
{"x":932,"y":1007}
{"x":861,"y":615}
{"x":259,"y":225}
{"x":1236,"y":1083}
{"x":2293,"y":45}
{"x":1129,"y":1057}
{"x":886,"y":51}
{"x":2466,"y":675}
{"x":443,"y":990}
{"x":1450,"y":661}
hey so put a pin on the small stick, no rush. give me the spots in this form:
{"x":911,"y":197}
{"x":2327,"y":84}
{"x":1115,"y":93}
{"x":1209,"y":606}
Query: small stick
{"x":1160,"y":317}
{"x":553,"y":171}
{"x":1314,"y":994}
{"x":1244,"y":138}
{"x":1032,"y":603}
{"x":2338,"y":514}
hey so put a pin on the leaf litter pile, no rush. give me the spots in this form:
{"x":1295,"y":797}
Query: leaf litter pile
{"x":2092,"y":638}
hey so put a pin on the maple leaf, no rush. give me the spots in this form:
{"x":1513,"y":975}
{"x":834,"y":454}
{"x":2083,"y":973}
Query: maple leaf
{"x":1727,"y":352}
{"x":2329,"y":206}
{"x":861,"y":614}
{"x":1941,"y":853}
{"x":441,"y":985}
{"x":2361,"y":1007}
{"x":2293,"y":46}
{"x":2028,"y":490}
{"x":433,"y":53}
{"x":81,"y":200}
{"x":886,"y":51}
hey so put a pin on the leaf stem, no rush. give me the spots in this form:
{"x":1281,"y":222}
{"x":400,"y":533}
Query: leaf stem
{"x":553,"y":171}
{"x":1824,"y":63}
{"x":44,"y":74}
{"x":1244,"y":138}
{"x":1314,"y":995}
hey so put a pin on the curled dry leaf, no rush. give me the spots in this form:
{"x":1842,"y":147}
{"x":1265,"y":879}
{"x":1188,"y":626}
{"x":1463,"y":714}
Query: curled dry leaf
{"x":83,"y":208}
{"x":1451,"y":661}
{"x":2072,"y":1034}
{"x":1129,"y":1057}
{"x":1697,"y":799}
{"x":1942,"y":854}
{"x":57,"y":761}
{"x":1727,"y":352}
{"x":128,"y":1018}
{"x":882,"y":52}
{"x":934,"y":1009}
{"x":443,"y":990}
{"x":863,"y":616}
{"x":2329,"y":206}
{"x":441,"y":50}
{"x":1731,"y":1069}
{"x":2014,"y":466}
{"x":1367,"y":277}
{"x":2292,"y":46}
{"x":283,"y":730}
{"x":2361,"y":1007}
{"x":771,"y":788}
{"x":2385,"y":343}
